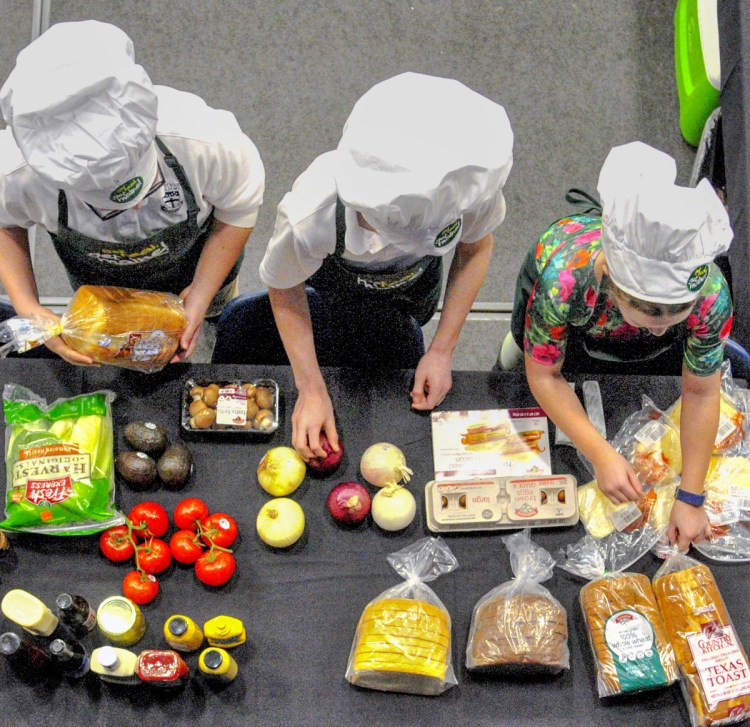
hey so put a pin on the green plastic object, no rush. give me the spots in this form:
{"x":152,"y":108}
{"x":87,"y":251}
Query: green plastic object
{"x":697,"y":65}
{"x":59,"y":463}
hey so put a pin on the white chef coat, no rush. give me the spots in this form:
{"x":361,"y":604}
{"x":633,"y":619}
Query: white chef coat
{"x":305,"y":231}
{"x":222,"y":165}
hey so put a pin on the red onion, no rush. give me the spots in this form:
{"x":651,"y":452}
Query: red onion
{"x":349,"y":503}
{"x":328,"y":464}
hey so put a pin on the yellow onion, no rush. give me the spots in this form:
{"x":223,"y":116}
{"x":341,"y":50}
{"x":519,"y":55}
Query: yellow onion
{"x":393,"y":508}
{"x":384,"y":464}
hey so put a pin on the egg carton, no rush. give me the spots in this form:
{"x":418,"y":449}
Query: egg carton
{"x":501,"y":503}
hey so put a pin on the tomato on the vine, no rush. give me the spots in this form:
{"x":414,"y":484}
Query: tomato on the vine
{"x":115,"y":543}
{"x":140,"y":587}
{"x":153,"y":515}
{"x":184,"y":548}
{"x":215,"y":567}
{"x":189,"y":513}
{"x":154,"y":556}
{"x":219,"y":529}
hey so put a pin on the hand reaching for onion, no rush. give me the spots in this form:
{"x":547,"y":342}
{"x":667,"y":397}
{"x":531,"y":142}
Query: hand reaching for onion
{"x":313,"y":413}
{"x":432,"y":381}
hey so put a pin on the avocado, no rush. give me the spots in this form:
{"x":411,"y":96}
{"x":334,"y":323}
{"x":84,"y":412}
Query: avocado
{"x":136,"y":468}
{"x":175,"y":465}
{"x":146,"y":437}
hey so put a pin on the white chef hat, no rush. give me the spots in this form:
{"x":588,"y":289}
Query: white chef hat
{"x":658,"y":238}
{"x":418,"y":151}
{"x":84,"y":114}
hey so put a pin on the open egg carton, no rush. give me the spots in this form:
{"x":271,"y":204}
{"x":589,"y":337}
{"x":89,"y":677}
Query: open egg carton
{"x":235,"y":408}
{"x":501,"y":503}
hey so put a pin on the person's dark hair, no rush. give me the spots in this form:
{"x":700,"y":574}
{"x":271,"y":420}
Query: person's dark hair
{"x":647,"y":307}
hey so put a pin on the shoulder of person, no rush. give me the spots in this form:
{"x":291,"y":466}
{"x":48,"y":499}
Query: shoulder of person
{"x":313,"y":193}
{"x":185,"y":116}
{"x":11,"y":159}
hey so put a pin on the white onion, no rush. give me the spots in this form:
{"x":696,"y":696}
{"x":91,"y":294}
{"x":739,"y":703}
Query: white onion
{"x":384,"y":464}
{"x":393,"y":508}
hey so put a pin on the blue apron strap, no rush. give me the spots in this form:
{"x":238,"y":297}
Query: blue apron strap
{"x":62,"y":209}
{"x":171,"y":161}
{"x":340,"y":227}
{"x":583,"y":199}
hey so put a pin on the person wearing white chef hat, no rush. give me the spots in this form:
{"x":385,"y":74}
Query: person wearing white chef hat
{"x":418,"y":173}
{"x":138,"y":185}
{"x":632,"y":290}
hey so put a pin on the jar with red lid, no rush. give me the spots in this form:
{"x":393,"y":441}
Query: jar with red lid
{"x":162,"y":668}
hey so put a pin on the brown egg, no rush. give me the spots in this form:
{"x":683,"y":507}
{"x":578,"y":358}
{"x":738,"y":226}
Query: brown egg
{"x":196,"y":406}
{"x":443,"y":502}
{"x":462,"y":502}
{"x":211,"y":395}
{"x":204,"y":419}
{"x":561,"y":497}
{"x":264,"y":397}
{"x":544,"y":497}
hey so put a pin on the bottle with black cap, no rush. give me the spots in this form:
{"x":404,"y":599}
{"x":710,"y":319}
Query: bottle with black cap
{"x":23,"y":654}
{"x":76,"y":613}
{"x":71,"y":658}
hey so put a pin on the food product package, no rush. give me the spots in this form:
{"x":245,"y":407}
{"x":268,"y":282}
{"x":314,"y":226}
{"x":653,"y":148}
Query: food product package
{"x":625,"y":630}
{"x":714,"y":667}
{"x":134,"y":329}
{"x":727,"y":489}
{"x":732,"y":435}
{"x":403,"y":639}
{"x":59,"y":463}
{"x":519,"y":627}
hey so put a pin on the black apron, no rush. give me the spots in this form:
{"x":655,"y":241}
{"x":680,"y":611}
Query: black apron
{"x":606,"y":349}
{"x":166,"y":261}
{"x":414,"y":290}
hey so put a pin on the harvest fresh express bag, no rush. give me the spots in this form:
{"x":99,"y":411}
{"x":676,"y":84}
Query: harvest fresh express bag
{"x":403,"y":638}
{"x":519,"y":627}
{"x":134,"y":329}
{"x":713,"y":663}
{"x":59,"y":463}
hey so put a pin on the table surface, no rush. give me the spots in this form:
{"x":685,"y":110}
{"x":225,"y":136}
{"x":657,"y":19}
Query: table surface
{"x":301,"y":605}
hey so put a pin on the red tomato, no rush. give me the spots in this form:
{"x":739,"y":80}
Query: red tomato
{"x":215,"y":567}
{"x":140,"y":588}
{"x":220,"y":529}
{"x":154,"y":556}
{"x":116,"y":543}
{"x":184,"y":548}
{"x":189,"y":512}
{"x":153,"y":515}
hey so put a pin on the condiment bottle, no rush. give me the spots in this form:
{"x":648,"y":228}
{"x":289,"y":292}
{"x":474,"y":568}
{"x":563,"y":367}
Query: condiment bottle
{"x":162,"y":668}
{"x":115,"y":665}
{"x":182,"y":633}
{"x":29,"y":613}
{"x":76,"y":613}
{"x":120,"y":620}
{"x":23,"y":654}
{"x":70,"y":657}
{"x":217,"y":664}
{"x":225,"y":631}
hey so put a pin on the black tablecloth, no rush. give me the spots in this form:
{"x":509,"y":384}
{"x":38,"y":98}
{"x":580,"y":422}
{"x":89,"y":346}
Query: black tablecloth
{"x":301,"y":606}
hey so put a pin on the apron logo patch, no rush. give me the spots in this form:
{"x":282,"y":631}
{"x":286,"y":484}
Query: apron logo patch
{"x":390,"y":283}
{"x":126,"y":258}
{"x":172,"y":199}
{"x":697,"y":278}
{"x":127,"y":191}
{"x":448,"y":234}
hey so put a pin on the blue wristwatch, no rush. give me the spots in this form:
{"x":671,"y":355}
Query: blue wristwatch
{"x":689,"y":497}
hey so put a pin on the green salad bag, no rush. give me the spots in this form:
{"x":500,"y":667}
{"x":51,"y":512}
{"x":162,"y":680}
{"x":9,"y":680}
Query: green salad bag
{"x":59,"y":463}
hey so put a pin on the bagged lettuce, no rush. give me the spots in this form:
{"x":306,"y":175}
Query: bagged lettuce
{"x":59,"y":463}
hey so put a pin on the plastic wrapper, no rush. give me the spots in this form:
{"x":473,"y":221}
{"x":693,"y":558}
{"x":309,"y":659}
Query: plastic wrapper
{"x":732,"y":435}
{"x":713,"y":663}
{"x":403,"y":638}
{"x":519,"y":627}
{"x":59,"y":463}
{"x":135,"y":329}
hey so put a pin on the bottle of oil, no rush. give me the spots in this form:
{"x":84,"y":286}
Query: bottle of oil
{"x":24,"y":655}
{"x":71,"y":658}
{"x":76,"y":613}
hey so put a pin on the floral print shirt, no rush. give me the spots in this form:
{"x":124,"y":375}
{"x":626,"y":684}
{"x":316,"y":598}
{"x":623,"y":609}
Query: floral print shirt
{"x":566,"y":293}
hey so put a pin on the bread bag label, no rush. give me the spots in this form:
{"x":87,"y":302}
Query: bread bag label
{"x":630,"y":638}
{"x":721,"y":665}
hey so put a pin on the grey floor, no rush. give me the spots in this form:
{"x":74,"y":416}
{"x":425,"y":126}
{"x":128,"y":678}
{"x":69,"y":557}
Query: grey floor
{"x":575,"y":77}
